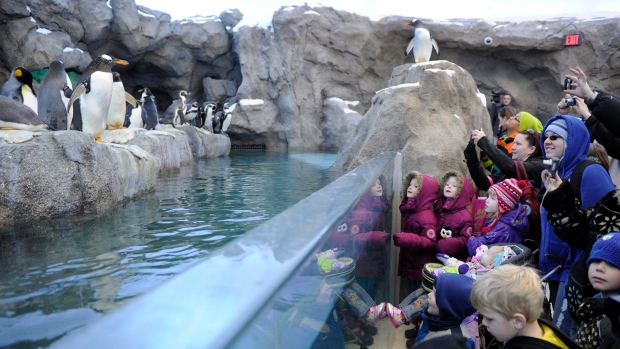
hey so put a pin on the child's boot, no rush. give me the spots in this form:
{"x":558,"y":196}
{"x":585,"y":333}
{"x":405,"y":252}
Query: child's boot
{"x":396,"y":315}
{"x":375,"y":313}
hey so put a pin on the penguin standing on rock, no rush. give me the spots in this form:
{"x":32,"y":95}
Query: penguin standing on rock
{"x":54,"y":94}
{"x":134,"y":117}
{"x":116,"y":113}
{"x":149,"y":109}
{"x":175,"y":114}
{"x":422,"y":42}
{"x":19,"y":88}
{"x":94,"y":91}
{"x":208,"y":110}
{"x":227,"y":116}
{"x":191,"y":112}
{"x":15,"y":115}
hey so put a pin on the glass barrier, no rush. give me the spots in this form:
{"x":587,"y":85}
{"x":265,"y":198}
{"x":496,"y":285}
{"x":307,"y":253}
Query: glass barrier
{"x":289,"y":283}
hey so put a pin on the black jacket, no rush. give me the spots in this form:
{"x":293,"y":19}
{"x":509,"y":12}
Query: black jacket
{"x":523,"y":342}
{"x":604,"y":124}
{"x":533,"y":166}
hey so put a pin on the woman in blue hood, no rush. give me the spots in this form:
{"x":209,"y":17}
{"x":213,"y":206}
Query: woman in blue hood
{"x":565,"y":138}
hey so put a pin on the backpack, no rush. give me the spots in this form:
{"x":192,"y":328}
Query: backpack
{"x":530,"y":203}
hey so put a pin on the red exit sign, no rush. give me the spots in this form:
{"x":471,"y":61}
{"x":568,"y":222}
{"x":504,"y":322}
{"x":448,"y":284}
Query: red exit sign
{"x":572,"y":40}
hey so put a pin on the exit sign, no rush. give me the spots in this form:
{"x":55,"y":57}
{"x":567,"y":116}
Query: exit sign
{"x":572,"y":40}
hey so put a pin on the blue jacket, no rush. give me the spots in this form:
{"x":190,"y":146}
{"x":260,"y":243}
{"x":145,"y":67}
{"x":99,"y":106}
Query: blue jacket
{"x":595,"y":184}
{"x":509,"y":228}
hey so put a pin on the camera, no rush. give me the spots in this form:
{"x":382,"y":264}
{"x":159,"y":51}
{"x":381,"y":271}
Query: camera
{"x":567,"y":83}
{"x":496,"y":96}
{"x":552,"y":164}
{"x":569,"y":101}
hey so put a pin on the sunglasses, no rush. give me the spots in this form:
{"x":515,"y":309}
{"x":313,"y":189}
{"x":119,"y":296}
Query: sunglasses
{"x":552,"y":137}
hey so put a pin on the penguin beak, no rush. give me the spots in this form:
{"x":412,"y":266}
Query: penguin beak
{"x":407,"y":24}
{"x":119,"y":61}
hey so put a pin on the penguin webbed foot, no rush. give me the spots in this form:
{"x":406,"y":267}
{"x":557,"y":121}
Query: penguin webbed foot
{"x":98,"y":139}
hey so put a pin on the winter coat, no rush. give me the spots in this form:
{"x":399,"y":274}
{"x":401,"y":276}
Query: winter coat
{"x":365,"y":238}
{"x":595,"y":184}
{"x":507,"y":169}
{"x":603,"y":125}
{"x":610,"y":326}
{"x":418,"y":237}
{"x":510,"y":227}
{"x":590,"y":313}
{"x":452,"y":292}
{"x":453,"y":215}
{"x":524,"y":342}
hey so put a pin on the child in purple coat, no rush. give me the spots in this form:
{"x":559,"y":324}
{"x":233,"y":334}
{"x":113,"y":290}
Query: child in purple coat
{"x":506,"y":218}
{"x":418,"y":235}
{"x":455,"y":221}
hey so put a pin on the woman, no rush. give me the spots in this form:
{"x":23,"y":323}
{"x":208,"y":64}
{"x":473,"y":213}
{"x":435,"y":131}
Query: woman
{"x":566,"y":138}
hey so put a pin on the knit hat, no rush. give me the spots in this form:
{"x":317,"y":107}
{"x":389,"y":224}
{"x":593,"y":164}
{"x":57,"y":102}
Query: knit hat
{"x":508,"y":195}
{"x":606,"y":248}
{"x":558,"y":127}
{"x":529,"y":121}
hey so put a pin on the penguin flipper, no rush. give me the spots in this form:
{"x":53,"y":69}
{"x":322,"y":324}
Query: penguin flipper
{"x":435,"y":45}
{"x":79,"y":90}
{"x":129,"y":98}
{"x":410,"y":46}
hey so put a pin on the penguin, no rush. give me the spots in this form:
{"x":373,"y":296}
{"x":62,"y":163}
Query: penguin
{"x":149,"y":109}
{"x":191,"y":112}
{"x":227,"y":116}
{"x":217,"y":121}
{"x":116,"y":113}
{"x":94,"y":91}
{"x":17,"y":116}
{"x":133,"y":116}
{"x":176,"y":111}
{"x":422,"y":42}
{"x":19,"y":87}
{"x":208,"y":109}
{"x":54,"y":94}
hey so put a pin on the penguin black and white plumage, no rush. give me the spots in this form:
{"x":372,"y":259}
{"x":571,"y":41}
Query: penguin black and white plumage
{"x":216,"y":123}
{"x":149,"y":109}
{"x":175,"y":113}
{"x":116,"y":113}
{"x":191,"y":113}
{"x":15,"y":115}
{"x":94,"y":91}
{"x":134,"y":117}
{"x":422,"y":42}
{"x":227,"y":116}
{"x":54,"y":94}
{"x":208,"y":109}
{"x":19,"y":88}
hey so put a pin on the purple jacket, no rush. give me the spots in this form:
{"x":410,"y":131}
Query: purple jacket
{"x":510,"y":227}
{"x":419,"y":229}
{"x":454,"y":215}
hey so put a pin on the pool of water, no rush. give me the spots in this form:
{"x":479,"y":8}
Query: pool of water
{"x":59,"y":275}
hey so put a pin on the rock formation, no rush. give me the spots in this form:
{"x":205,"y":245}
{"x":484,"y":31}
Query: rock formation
{"x":283,"y":75}
{"x":426,"y":113}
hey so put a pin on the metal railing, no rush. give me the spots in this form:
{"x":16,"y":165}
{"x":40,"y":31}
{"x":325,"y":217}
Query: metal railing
{"x":250,"y":292}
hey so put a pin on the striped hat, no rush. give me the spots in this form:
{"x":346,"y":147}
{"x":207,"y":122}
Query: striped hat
{"x":508,"y":195}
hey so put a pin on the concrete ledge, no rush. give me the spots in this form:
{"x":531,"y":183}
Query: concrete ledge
{"x":65,"y":173}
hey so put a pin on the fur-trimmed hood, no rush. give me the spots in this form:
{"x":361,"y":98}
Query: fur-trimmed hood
{"x":464,"y":194}
{"x":427,"y":191}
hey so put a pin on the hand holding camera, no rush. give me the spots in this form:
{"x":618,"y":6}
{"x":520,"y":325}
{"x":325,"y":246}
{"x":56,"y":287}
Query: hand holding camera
{"x":577,"y":84}
{"x":550,"y":174}
{"x":496,"y":96}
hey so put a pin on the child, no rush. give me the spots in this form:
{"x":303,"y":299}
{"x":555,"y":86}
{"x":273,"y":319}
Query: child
{"x":454,"y":219}
{"x":507,"y":218}
{"x":510,"y":300}
{"x":419,"y":227}
{"x":450,"y":310}
{"x":604,"y":275}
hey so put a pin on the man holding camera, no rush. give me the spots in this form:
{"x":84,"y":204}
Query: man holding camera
{"x":505,"y":99}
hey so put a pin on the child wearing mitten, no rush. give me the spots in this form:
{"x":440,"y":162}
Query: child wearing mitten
{"x":454,"y":219}
{"x":417,"y":238}
{"x":507,"y":218}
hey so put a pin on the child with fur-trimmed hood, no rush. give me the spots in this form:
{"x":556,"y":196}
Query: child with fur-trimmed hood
{"x":418,"y":237}
{"x":455,"y":221}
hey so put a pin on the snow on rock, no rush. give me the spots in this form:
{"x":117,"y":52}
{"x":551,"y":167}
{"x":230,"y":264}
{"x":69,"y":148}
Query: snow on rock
{"x":447,"y":71}
{"x":247,"y":102}
{"x":312,"y":13}
{"x":388,"y":89}
{"x":43,"y":31}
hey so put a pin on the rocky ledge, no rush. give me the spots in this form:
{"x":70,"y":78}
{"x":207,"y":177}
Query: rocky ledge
{"x":59,"y":174}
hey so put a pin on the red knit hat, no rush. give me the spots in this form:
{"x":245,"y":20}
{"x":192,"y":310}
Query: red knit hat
{"x":508,"y":194}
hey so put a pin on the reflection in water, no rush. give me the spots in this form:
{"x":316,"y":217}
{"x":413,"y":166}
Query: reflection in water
{"x":58,"y":275}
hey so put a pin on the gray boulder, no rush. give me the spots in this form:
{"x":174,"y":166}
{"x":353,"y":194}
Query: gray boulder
{"x":219,"y":90}
{"x":426,"y":113}
{"x":339,"y":123}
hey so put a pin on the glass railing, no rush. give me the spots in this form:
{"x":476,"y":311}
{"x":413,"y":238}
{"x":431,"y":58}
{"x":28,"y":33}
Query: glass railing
{"x":285,"y":284}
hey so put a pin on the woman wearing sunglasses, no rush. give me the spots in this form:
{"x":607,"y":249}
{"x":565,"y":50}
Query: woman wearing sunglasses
{"x":566,"y":139}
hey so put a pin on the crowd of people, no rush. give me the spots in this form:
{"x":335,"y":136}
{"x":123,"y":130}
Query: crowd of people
{"x":546,"y":186}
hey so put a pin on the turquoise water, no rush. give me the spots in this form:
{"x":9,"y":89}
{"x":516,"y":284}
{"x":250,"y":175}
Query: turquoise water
{"x":56,"y":276}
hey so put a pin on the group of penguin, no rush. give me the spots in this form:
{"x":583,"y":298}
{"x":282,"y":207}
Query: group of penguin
{"x":205,"y":115}
{"x":97,"y":103}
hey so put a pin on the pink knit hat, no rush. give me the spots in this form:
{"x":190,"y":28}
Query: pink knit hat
{"x":508,"y":194}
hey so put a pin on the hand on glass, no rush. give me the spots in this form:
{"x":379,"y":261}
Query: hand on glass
{"x":579,"y":84}
{"x":551,"y":183}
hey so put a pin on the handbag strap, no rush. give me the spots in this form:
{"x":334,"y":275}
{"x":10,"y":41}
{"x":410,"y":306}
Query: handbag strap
{"x":519,"y":166}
